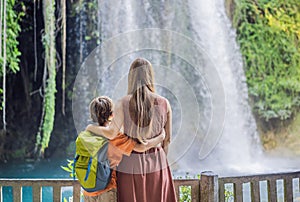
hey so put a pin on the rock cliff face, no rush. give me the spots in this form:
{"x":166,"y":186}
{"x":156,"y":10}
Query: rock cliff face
{"x":229,"y":8}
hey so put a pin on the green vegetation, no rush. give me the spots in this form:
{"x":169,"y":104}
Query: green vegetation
{"x":268,"y":34}
{"x":9,"y":53}
{"x":229,"y":196}
{"x":185,"y":193}
{"x":69,"y":168}
{"x":90,"y":9}
{"x":50,"y":64}
{"x":12,"y":33}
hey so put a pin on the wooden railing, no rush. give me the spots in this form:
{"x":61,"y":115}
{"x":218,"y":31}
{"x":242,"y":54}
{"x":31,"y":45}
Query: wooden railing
{"x":37,"y":185}
{"x":209,"y":188}
{"x":254,"y":182}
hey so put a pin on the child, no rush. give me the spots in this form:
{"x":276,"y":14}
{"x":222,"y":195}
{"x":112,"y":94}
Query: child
{"x":101,"y":113}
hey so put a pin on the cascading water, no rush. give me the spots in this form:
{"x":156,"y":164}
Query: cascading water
{"x":197,"y":66}
{"x":239,"y":139}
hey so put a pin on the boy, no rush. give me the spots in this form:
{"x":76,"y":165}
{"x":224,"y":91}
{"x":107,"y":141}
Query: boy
{"x":101,"y":113}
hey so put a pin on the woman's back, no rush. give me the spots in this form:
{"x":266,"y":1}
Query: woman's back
{"x":142,"y":174}
{"x":145,"y":176}
{"x":158,"y":113}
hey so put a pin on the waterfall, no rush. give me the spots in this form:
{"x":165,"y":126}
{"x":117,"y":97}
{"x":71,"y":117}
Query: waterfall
{"x":198,"y":67}
{"x":239,"y":142}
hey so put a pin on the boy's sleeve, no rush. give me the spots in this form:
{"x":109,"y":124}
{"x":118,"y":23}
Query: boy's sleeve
{"x":124,"y":143}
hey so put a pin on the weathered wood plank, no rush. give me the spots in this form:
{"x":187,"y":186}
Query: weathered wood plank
{"x":195,"y":192}
{"x":209,"y":187}
{"x":255,"y":191}
{"x":76,"y":191}
{"x":272,"y":190}
{"x":30,"y":182}
{"x":57,"y":193}
{"x":193,"y":183}
{"x":1,"y":194}
{"x":17,"y":193}
{"x":177,"y":185}
{"x":221,"y":192}
{"x":186,"y":182}
{"x":238,"y":192}
{"x":261,"y":177}
{"x":288,"y":189}
{"x":36,"y":192}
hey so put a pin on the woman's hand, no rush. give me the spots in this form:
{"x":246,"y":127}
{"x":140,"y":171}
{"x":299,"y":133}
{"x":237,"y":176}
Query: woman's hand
{"x":156,"y":141}
{"x":150,"y":143}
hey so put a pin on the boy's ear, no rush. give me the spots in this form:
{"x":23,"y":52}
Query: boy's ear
{"x":110,"y":117}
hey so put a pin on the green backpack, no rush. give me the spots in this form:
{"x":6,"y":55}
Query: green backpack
{"x":91,"y":164}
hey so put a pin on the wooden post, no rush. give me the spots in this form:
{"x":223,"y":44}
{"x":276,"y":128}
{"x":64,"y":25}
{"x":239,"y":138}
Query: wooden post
{"x":255,"y":191}
{"x":209,"y":187}
{"x":272,"y":190}
{"x":76,"y":191}
{"x":238,"y":191}
{"x":36,"y":192}
{"x":1,"y":187}
{"x":288,"y":189}
{"x":57,"y":193}
{"x":17,"y":193}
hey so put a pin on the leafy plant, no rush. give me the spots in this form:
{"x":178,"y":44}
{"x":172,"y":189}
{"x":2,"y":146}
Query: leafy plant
{"x":69,"y":168}
{"x":229,"y":196}
{"x":12,"y":32}
{"x":268,"y":34}
{"x":185,"y":193}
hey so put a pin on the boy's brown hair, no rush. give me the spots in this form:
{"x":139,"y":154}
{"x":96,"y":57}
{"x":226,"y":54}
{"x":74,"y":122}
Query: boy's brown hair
{"x":101,"y":109}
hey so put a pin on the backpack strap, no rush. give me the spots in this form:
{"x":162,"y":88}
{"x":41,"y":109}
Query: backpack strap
{"x":88,"y":169}
{"x":74,"y":163}
{"x":102,"y":153}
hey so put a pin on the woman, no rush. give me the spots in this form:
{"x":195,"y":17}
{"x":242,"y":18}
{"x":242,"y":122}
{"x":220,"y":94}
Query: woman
{"x":142,"y":114}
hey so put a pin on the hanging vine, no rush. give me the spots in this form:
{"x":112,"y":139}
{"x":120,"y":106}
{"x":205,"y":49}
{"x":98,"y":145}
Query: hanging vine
{"x":50,"y":64}
{"x":34,"y":40}
{"x":4,"y":66}
{"x":63,"y":42}
{"x":9,"y":53}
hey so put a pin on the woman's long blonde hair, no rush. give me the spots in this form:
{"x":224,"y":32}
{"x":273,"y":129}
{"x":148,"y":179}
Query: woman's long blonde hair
{"x":140,"y":82}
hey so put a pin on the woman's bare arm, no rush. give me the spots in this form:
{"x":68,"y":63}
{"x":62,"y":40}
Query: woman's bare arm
{"x":112,"y":130}
{"x":168,"y":129}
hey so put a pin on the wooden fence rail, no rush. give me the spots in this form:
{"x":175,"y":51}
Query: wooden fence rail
{"x":37,"y":185}
{"x":254,"y":181}
{"x":209,"y":188}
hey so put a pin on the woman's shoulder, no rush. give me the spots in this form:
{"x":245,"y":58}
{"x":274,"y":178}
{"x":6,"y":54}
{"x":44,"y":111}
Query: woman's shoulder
{"x":163,"y":101}
{"x":124,"y":98}
{"x":161,"y":98}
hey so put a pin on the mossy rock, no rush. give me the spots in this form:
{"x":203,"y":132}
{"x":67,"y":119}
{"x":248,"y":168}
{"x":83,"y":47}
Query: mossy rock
{"x":288,"y":137}
{"x":19,"y":153}
{"x":70,"y":150}
{"x":229,"y":8}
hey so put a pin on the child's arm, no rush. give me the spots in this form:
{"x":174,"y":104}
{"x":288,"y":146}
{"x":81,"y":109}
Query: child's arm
{"x":153,"y":142}
{"x":112,"y":130}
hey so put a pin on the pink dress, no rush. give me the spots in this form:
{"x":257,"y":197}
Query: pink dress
{"x":146,"y":177}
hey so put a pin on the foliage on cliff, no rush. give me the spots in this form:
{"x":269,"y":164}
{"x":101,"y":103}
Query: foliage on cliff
{"x":12,"y":30}
{"x":268,"y":32}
